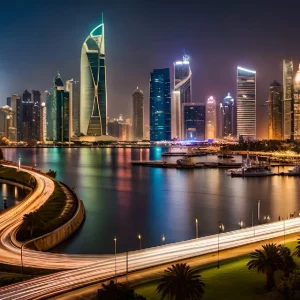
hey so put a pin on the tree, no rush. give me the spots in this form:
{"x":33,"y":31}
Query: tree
{"x":118,"y":291}
{"x":288,"y":264}
{"x":33,"y":221}
{"x":297,"y":250}
{"x":51,"y":173}
{"x":267,"y":261}
{"x":180,"y":282}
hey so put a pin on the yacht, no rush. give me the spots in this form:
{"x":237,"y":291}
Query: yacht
{"x":295,"y":171}
{"x":255,"y":171}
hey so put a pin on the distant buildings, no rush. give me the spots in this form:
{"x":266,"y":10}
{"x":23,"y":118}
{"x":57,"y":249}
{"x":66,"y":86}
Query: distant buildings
{"x":36,"y":121}
{"x":194,"y":120}
{"x":296,"y":107}
{"x":287,"y":98}
{"x":120,"y":129}
{"x":138,"y":115}
{"x":275,"y":111}
{"x":48,"y":99}
{"x":27,"y":116}
{"x":228,"y":122}
{"x":160,"y":105}
{"x":93,"y":103}
{"x":182,"y":94}
{"x":211,"y":118}
{"x":246,"y":103}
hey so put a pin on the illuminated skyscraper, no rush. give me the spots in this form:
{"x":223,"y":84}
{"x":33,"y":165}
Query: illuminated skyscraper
{"x":287,"y":98}
{"x":36,"y":122}
{"x":138,"y":115}
{"x":246,"y":103}
{"x":296,"y":107}
{"x":211,"y":118}
{"x":228,"y":116}
{"x":275,"y":111}
{"x":48,"y":100}
{"x":182,"y":93}
{"x":27,"y":116}
{"x":160,"y":105}
{"x":93,"y":102}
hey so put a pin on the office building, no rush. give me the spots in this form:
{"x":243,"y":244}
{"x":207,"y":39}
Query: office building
{"x":73,"y":88}
{"x":228,"y":108}
{"x":296,"y":107}
{"x":93,"y":102}
{"x":48,"y":100}
{"x":27,"y":117}
{"x":182,"y":93}
{"x":6,"y":121}
{"x":194,"y":119}
{"x":15,"y":104}
{"x":246,"y":103}
{"x":8,"y":101}
{"x":66,"y":118}
{"x":43,"y":123}
{"x":211,"y":118}
{"x":138,"y":115}
{"x":36,"y":122}
{"x":287,"y":98}
{"x":275,"y":111}
{"x":119,"y":129}
{"x":160,"y":105}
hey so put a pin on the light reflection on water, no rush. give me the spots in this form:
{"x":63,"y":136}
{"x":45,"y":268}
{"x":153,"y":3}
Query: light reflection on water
{"x":125,"y":200}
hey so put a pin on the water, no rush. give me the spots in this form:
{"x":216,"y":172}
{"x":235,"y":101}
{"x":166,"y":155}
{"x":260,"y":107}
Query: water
{"x":10,"y":195}
{"x":125,"y":200}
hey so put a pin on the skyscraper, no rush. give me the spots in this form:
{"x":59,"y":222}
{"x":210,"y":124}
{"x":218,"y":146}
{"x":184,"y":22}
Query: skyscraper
{"x":182,"y":93}
{"x":93,"y":102}
{"x":211,"y":118}
{"x":15,"y":104}
{"x":228,"y":116}
{"x":138,"y":114}
{"x":48,"y":100}
{"x":73,"y":87}
{"x":275,"y":111}
{"x":36,"y":122}
{"x":27,"y":117}
{"x":160,"y":105}
{"x":194,"y":119}
{"x":246,"y":103}
{"x":296,"y":107}
{"x":43,"y":122}
{"x":287,"y":98}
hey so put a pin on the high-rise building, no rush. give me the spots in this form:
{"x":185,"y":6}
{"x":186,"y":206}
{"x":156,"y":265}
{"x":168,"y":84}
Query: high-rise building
{"x":296,"y":107}
{"x":66,"y":117}
{"x":211,"y":118}
{"x":160,"y":105}
{"x":194,"y":119}
{"x":246,"y":103}
{"x":8,"y":101}
{"x":275,"y":111}
{"x":138,"y":114}
{"x":120,"y":130}
{"x":43,"y":122}
{"x":36,"y":122}
{"x":73,"y":87}
{"x":93,"y":102}
{"x":228,"y":116}
{"x":15,"y":104}
{"x":27,"y":117}
{"x":287,"y":98}
{"x":48,"y":100}
{"x":182,"y":93}
{"x":6,"y":120}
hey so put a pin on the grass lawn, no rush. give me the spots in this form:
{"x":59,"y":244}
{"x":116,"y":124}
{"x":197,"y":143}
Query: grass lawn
{"x":232,"y":281}
{"x":17,"y":176}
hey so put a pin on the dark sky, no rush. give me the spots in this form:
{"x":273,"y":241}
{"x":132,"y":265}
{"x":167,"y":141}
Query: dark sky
{"x":38,"y":38}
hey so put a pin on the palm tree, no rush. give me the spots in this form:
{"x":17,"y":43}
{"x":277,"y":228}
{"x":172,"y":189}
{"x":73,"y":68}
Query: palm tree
{"x":297,"y":250}
{"x":267,"y":261}
{"x":180,"y":282}
{"x":288,"y":264}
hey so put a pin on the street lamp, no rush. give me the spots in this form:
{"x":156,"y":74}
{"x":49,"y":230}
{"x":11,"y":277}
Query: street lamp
{"x":140,"y":238}
{"x":115,"y":240}
{"x":241,"y":223}
{"x":196,"y":223}
{"x":221,"y":229}
{"x":163,"y":239}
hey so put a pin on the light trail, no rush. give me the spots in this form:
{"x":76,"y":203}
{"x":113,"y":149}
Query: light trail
{"x":88,"y":269}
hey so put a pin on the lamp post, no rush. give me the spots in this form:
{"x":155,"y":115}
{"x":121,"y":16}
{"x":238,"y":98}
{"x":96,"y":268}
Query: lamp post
{"x":221,"y":229}
{"x":140,"y":238}
{"x":241,"y":223}
{"x":115,"y":240}
{"x":163,"y":239}
{"x":196,"y":223}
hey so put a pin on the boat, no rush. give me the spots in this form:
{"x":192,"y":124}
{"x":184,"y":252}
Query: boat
{"x":253,"y":171}
{"x":294,"y":172}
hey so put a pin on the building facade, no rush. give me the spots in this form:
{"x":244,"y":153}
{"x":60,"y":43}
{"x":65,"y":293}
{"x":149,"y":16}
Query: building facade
{"x":182,"y":93}
{"x":48,"y":100}
{"x":27,"y":117}
{"x":211,"y":118}
{"x":160,"y":105}
{"x":138,"y":115}
{"x":93,"y":98}
{"x":194,"y":120}
{"x":120,"y":130}
{"x":296,"y":107}
{"x":36,"y":115}
{"x":228,"y":108}
{"x":246,"y":103}
{"x":287,"y":98}
{"x":275,"y":111}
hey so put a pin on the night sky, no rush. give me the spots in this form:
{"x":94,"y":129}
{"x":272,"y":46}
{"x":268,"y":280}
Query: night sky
{"x":39,"y":38}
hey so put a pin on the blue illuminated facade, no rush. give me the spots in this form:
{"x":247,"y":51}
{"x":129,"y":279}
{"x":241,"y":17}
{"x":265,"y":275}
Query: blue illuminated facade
{"x":160,"y":105}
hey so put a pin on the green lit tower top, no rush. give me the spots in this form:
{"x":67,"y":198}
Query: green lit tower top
{"x":93,"y":102}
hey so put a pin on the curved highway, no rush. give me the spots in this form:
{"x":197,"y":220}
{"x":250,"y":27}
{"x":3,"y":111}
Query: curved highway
{"x":85,"y":269}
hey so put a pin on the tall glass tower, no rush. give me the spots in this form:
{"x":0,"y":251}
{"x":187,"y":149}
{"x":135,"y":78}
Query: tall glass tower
{"x":296,"y":107}
{"x":160,"y":105}
{"x":246,"y":103}
{"x":138,"y":115}
{"x":275,"y":111}
{"x":287,"y":98}
{"x":211,"y":118}
{"x":93,"y":102}
{"x":228,"y":116}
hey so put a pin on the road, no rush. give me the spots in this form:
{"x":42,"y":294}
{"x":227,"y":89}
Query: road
{"x":85,"y":269}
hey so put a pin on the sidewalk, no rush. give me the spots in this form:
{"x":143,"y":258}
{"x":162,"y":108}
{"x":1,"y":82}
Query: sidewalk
{"x":90,"y":292}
